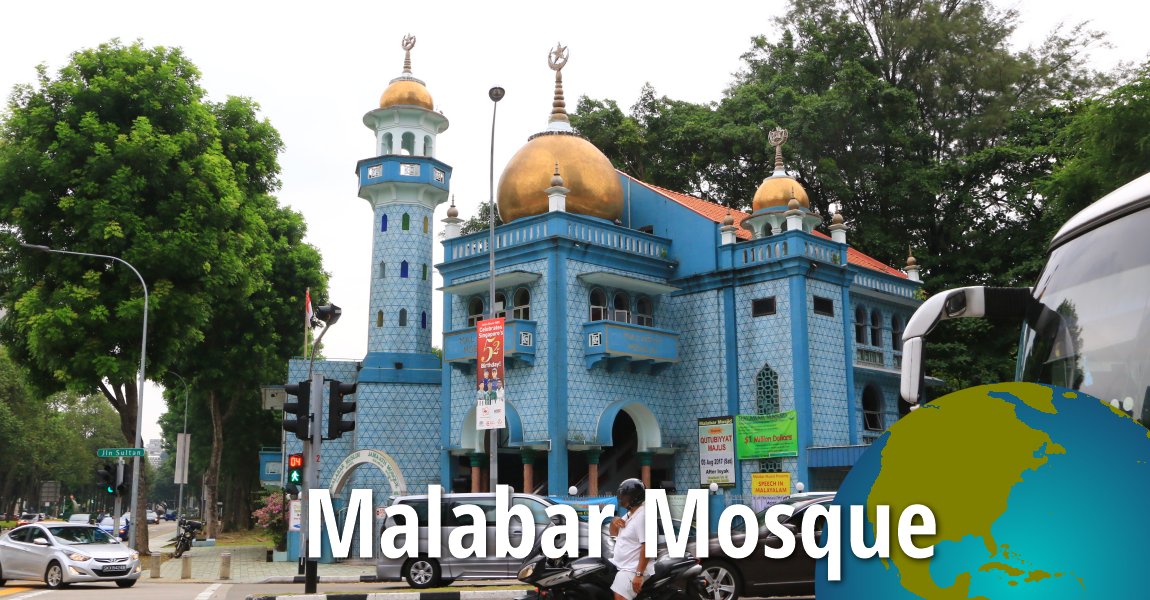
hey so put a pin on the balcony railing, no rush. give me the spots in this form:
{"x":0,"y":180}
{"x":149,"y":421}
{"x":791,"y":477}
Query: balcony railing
{"x":560,"y":224}
{"x":615,"y":344}
{"x":867,"y":356}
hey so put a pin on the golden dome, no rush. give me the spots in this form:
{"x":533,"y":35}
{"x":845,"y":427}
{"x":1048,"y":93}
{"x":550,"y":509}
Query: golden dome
{"x":776,"y":191}
{"x":593,"y":183}
{"x":407,"y":91}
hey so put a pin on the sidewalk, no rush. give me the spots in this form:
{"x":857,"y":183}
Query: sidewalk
{"x":249,"y":565}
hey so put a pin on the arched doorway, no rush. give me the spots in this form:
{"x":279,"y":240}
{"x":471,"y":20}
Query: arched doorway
{"x":630,"y":436}
{"x":474,"y":444}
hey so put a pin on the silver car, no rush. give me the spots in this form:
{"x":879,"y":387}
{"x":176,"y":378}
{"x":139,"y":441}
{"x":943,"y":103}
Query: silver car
{"x":62,"y":553}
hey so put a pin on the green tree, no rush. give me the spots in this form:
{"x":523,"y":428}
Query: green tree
{"x":481,"y":220}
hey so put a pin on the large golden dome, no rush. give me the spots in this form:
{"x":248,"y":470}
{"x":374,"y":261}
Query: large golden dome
{"x":776,"y":191}
{"x":593,"y":183}
{"x":407,"y":91}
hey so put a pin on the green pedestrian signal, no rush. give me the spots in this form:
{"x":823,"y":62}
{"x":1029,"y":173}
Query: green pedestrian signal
{"x":295,"y":469}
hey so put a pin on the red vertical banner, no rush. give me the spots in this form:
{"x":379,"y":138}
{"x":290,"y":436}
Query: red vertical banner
{"x":489,"y":385}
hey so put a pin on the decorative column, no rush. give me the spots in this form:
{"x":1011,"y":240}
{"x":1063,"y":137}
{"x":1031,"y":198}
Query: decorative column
{"x":477,"y":459}
{"x":645,"y":459}
{"x":593,"y":471}
{"x":528,"y":457}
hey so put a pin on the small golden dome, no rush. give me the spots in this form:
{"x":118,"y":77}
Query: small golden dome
{"x":777,"y":191}
{"x":911,"y":262}
{"x":728,"y":220}
{"x":837,"y":219}
{"x":406,"y":91}
{"x":593,"y":183}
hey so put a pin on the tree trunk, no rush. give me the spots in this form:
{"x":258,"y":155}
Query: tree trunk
{"x":140,"y":534}
{"x":212,"y":474}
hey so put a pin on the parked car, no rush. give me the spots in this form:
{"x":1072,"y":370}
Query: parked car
{"x":757,"y":575}
{"x":65,"y":553}
{"x":424,"y":572}
{"x":28,"y":518}
{"x":170,"y":515}
{"x":152,"y":517}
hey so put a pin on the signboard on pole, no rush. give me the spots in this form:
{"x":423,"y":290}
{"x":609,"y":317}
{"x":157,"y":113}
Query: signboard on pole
{"x":295,"y":513}
{"x":119,"y":452}
{"x":717,"y":450}
{"x":489,"y":391}
{"x":183,"y":445}
{"x":767,"y":436}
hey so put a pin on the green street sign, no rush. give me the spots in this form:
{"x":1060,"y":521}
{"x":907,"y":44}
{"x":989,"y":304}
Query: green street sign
{"x":119,"y":452}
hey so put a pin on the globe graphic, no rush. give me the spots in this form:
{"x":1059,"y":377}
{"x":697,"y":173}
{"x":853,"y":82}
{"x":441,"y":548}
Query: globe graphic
{"x":1037,"y":492}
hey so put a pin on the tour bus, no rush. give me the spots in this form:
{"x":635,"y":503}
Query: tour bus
{"x":1085,"y":324}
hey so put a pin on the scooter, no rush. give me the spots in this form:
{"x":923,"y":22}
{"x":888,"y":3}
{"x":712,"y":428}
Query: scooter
{"x":590,"y":578}
{"x":186,"y":532}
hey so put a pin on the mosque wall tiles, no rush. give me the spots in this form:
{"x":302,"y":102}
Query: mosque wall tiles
{"x":590,"y":391}
{"x":403,"y":421}
{"x":391,"y":291}
{"x":764,"y":341}
{"x":827,"y":351}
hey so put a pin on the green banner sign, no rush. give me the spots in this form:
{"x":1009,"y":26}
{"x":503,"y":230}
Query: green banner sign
{"x":766,"y":436}
{"x":119,"y":452}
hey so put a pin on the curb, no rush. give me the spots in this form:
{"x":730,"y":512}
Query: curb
{"x":320,"y":579}
{"x":476,"y":595}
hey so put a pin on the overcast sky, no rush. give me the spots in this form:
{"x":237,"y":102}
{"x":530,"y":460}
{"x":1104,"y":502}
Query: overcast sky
{"x":316,"y":68}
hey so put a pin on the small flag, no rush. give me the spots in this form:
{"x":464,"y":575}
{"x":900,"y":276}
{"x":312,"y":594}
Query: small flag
{"x":308,"y":313}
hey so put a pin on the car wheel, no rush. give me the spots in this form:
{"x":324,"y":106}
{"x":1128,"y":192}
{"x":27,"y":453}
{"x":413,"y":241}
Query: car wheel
{"x":421,"y":573}
{"x":723,"y":582}
{"x":54,"y":576}
{"x":126,"y":583}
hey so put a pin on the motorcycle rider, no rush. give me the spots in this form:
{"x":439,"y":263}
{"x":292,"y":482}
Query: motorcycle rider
{"x":629,"y":555}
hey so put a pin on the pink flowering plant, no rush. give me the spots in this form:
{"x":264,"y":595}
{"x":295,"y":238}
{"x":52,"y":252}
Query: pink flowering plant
{"x":271,"y":516}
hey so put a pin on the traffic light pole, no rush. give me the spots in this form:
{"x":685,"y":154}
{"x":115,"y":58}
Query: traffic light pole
{"x":311,"y":479}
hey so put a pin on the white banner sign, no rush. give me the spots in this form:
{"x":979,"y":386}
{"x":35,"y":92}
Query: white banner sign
{"x":717,"y":450}
{"x":295,"y":512}
{"x":183,"y":447}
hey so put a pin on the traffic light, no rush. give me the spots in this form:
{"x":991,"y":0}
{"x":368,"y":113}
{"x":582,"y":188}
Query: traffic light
{"x":106,"y":477}
{"x":294,"y":472}
{"x":300,"y":409}
{"x":124,"y":482}
{"x":337,"y":408}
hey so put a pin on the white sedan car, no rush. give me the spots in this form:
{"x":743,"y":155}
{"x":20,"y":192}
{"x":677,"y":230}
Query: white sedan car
{"x":62,"y":553}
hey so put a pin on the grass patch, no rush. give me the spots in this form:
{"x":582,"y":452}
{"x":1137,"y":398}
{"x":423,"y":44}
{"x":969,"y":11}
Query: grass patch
{"x":250,"y":537}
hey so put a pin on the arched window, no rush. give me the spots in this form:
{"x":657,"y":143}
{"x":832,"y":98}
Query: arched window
{"x":872,"y":409}
{"x":621,"y":307}
{"x":474,"y":311}
{"x":383,"y":223}
{"x":403,"y":317}
{"x":385,"y":147}
{"x":896,"y":333}
{"x":860,"y":325}
{"x":406,"y":221}
{"x":382,"y":269}
{"x":425,"y":271}
{"x":644,"y":312}
{"x":425,"y":224}
{"x":379,"y":319}
{"x":598,"y":305}
{"x":408,"y":141}
{"x":522,"y":304}
{"x":875,"y":329}
{"x":403,"y":269}
{"x":767,"y":391}
{"x":423,"y":319}
{"x":428,"y":146}
{"x":500,"y":305}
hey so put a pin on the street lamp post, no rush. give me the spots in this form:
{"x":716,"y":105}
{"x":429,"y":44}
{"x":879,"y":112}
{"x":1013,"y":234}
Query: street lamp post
{"x":496,"y":94}
{"x":136,"y":517}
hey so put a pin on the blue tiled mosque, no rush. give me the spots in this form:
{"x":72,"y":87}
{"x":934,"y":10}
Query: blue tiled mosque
{"x":631,"y":312}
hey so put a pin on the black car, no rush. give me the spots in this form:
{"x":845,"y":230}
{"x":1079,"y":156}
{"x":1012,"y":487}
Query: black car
{"x":757,"y":575}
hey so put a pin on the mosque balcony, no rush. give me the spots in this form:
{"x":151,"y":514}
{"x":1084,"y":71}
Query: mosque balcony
{"x":403,"y":169}
{"x":617,"y":345}
{"x":582,"y":231}
{"x":790,"y":244}
{"x":459,"y":348}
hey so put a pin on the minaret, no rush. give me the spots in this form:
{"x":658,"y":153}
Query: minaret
{"x":404,"y":183}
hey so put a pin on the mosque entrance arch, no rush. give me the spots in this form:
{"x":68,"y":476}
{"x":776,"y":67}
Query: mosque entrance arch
{"x":630,"y":435}
{"x":474,"y":443}
{"x":379,"y":459}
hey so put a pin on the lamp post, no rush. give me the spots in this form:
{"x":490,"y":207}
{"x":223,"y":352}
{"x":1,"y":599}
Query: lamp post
{"x":496,"y":94}
{"x":329,"y":314}
{"x":187,"y":445}
{"x":136,"y":516}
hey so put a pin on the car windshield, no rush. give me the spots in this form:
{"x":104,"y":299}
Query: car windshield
{"x":1090,"y":330}
{"x":81,"y":535}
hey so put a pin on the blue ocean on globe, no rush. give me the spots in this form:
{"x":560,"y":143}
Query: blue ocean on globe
{"x":1037,"y":492}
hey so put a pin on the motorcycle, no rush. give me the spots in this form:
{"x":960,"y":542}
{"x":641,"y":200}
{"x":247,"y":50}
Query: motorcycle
{"x":587,"y":578}
{"x":186,"y":532}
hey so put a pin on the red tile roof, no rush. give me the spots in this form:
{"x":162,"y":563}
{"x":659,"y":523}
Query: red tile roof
{"x":717,"y":212}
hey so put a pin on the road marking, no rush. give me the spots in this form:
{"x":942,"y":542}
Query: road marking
{"x":13,"y":590}
{"x":33,"y":594}
{"x":204,"y":595}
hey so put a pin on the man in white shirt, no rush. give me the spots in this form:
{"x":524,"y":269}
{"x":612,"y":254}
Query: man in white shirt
{"x":629,"y":555}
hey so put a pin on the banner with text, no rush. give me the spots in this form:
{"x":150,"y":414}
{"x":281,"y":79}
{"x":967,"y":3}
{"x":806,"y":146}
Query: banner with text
{"x":489,"y":393}
{"x":767,"y":436}
{"x":717,"y":450}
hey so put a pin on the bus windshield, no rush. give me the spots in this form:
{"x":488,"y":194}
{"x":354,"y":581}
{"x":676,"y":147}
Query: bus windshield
{"x":1091,"y":328}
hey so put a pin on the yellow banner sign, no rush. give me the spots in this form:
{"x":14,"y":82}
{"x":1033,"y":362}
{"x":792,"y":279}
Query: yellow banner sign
{"x":770,"y":484}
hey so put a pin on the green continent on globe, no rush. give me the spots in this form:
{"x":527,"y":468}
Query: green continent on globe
{"x":982,"y":451}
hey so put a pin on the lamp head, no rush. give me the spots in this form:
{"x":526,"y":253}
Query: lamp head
{"x":328,"y":313}
{"x":496,"y":94}
{"x":36,"y":247}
